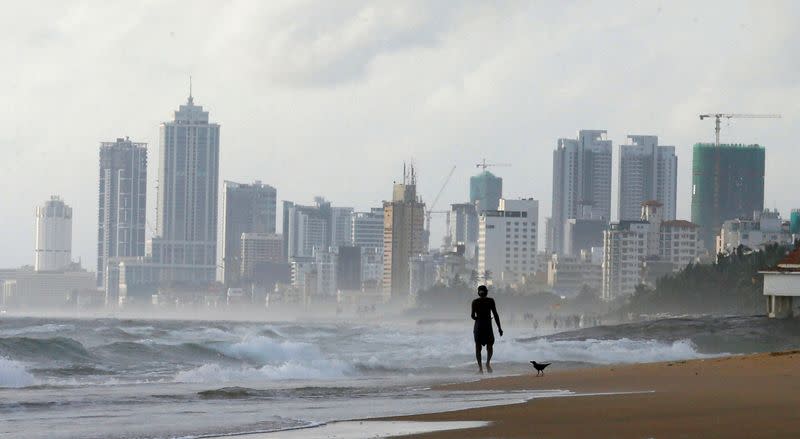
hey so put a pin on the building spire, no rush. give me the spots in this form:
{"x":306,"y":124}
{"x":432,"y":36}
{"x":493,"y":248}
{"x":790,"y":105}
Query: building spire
{"x":191,"y":99}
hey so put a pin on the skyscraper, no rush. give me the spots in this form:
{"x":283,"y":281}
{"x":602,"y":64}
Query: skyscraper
{"x":647,"y":171}
{"x":464,"y":227}
{"x":122,"y":202}
{"x":186,"y":241}
{"x":581,"y":177}
{"x":307,"y":228}
{"x":486,"y":189}
{"x":247,"y":208}
{"x":403,"y":235}
{"x":727,"y":183}
{"x":53,"y":249}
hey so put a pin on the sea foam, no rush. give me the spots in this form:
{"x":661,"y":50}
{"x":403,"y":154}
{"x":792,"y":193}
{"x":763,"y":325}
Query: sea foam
{"x":13,"y":374}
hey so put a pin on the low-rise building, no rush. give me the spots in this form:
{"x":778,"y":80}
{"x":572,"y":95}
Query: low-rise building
{"x":765,"y":228}
{"x":782,"y":287}
{"x":637,"y":252}
{"x":569,"y":275}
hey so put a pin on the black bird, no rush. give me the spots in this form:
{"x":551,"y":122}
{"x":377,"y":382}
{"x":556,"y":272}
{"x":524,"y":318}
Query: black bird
{"x":539,"y":367}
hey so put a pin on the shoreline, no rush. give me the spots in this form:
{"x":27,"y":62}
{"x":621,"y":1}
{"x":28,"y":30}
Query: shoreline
{"x":734,"y":397}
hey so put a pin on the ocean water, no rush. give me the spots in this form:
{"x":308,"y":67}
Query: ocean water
{"x":109,"y":378}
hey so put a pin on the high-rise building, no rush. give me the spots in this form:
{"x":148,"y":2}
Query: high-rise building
{"x":53,"y":251}
{"x":581,"y":177}
{"x":186,"y":243}
{"x":464,"y":227}
{"x":507,"y":241}
{"x":485,"y":190}
{"x":341,"y":226}
{"x":247,"y":208}
{"x":258,"y":249}
{"x":367,"y":229}
{"x":727,"y":183}
{"x":403,"y":235}
{"x":647,"y":171}
{"x":307,"y":228}
{"x":122,"y":202}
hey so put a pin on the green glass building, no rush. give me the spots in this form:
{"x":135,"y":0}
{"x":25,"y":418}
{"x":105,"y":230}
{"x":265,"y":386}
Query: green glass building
{"x":487,"y":189}
{"x":727,"y":183}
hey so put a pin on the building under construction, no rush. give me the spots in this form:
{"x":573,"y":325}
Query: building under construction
{"x":403,"y":235}
{"x":727,"y":183}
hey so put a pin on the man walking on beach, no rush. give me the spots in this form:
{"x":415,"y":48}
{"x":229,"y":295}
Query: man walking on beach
{"x":482,"y":310}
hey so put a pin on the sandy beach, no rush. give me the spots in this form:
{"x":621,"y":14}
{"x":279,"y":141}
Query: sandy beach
{"x":755,"y":396}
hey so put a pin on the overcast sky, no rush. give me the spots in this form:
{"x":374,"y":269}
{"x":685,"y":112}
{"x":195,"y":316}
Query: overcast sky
{"x":330,"y":97}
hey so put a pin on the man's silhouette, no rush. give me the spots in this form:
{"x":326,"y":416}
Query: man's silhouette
{"x":482,"y":310}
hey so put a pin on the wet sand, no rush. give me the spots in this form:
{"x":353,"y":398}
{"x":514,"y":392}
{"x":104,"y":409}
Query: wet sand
{"x":754,"y":396}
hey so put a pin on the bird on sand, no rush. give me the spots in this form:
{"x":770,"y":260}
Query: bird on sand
{"x":539,"y":367}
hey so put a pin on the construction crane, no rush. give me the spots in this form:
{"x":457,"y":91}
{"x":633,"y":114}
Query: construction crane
{"x":485,"y":165}
{"x":718,"y":116}
{"x":435,"y":200}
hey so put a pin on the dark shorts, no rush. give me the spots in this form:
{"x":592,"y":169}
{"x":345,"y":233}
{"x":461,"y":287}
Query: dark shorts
{"x":483,"y":332}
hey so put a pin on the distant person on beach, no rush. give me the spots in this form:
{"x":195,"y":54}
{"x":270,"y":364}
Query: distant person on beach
{"x":482,"y":310}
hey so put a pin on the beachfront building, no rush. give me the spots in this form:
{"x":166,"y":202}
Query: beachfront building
{"x":569,"y":275}
{"x":644,"y":250}
{"x":764,"y":229}
{"x":782,"y":287}
{"x":507,"y":241}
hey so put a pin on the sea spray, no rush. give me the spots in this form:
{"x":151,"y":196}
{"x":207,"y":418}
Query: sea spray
{"x":14,"y":374}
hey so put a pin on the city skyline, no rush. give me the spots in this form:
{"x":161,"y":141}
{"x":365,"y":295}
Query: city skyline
{"x":457,"y":125}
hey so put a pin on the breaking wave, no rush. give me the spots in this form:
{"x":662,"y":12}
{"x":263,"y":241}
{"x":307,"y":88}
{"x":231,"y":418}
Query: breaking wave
{"x":14,"y":374}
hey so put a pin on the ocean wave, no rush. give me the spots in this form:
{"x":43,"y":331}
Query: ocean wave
{"x":264,"y":350}
{"x":14,"y":374}
{"x":622,"y":350}
{"x":38,"y":349}
{"x":291,"y":370}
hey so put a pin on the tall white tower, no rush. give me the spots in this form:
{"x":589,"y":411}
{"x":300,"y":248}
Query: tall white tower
{"x":53,"y":235}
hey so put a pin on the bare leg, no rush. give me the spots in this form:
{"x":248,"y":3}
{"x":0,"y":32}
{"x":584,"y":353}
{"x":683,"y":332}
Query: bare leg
{"x":478,"y":357}
{"x":489,"y":352}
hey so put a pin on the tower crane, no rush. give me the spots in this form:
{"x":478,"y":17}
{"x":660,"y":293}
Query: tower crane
{"x":430,"y":210}
{"x":718,"y":116}
{"x":485,"y":165}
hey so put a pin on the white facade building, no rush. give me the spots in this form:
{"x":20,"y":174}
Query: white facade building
{"x":647,"y":171}
{"x":53,"y":251}
{"x":765,"y":228}
{"x":629,"y":247}
{"x":367,"y":229}
{"x":507,"y":241}
{"x":581,"y":177}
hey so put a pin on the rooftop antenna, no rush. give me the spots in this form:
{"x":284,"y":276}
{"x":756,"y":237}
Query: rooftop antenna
{"x":190,"y":90}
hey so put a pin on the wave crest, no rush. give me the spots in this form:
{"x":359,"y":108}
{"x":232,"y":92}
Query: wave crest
{"x":14,"y":374}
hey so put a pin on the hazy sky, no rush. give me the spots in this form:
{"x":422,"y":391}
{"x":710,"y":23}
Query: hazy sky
{"x":329,"y":97}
